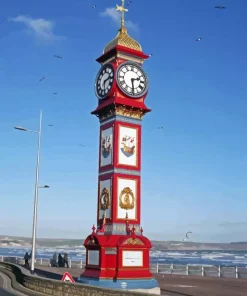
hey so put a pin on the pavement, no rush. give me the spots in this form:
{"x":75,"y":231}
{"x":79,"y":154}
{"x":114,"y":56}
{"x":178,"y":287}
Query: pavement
{"x":6,"y":288}
{"x":172,"y":285}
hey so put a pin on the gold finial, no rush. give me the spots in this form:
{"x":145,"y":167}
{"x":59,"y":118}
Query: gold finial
{"x":123,"y":10}
{"x":127,"y":217}
{"x":104,"y":218}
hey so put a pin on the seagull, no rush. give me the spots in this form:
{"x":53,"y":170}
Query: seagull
{"x":50,"y":124}
{"x":128,"y":4}
{"x":82,"y":145}
{"x":55,"y":93}
{"x":220,"y":7}
{"x":94,"y":6}
{"x":150,"y":55}
{"x":42,"y":78}
{"x":160,"y":127}
{"x":199,"y":39}
{"x":57,"y":56}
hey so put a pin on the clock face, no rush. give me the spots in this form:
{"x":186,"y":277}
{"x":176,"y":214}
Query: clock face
{"x":104,"y":81}
{"x":132,"y":80}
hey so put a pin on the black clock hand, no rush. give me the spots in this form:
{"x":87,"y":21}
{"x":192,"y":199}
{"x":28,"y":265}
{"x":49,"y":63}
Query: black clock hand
{"x":132,"y":82}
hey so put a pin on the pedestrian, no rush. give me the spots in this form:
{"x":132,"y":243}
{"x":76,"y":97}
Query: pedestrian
{"x":65,"y":257}
{"x":26,"y":258}
{"x":60,"y":260}
{"x":54,"y":261}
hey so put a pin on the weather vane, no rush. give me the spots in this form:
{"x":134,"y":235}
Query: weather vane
{"x":123,"y":10}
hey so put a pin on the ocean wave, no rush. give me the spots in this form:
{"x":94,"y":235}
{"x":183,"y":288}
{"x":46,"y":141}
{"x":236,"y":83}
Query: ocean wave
{"x":212,"y":256}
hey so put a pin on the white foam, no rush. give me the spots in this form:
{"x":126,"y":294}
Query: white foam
{"x":239,"y":257}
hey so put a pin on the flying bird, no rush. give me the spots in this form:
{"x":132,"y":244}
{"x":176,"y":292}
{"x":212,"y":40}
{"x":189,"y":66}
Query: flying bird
{"x":128,"y":4}
{"x":42,"y":78}
{"x":58,"y":57}
{"x":188,"y":233}
{"x":150,"y":55}
{"x":220,"y":7}
{"x":199,"y":39}
{"x":82,"y":145}
{"x":94,"y":6}
{"x":160,"y":127}
{"x":55,"y":93}
{"x":50,"y":124}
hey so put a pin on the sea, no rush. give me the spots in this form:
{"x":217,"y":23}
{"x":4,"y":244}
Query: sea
{"x":206,"y":258}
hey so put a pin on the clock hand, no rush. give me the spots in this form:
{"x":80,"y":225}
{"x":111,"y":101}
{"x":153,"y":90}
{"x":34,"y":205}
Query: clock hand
{"x":132,"y":82}
{"x":106,"y":81}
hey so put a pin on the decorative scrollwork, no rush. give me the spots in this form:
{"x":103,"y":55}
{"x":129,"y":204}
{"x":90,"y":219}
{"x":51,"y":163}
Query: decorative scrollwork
{"x":127,"y":199}
{"x":131,"y":241}
{"x":105,"y":199}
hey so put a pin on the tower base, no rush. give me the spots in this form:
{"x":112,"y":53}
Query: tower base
{"x":119,"y":262}
{"x":137,"y":285}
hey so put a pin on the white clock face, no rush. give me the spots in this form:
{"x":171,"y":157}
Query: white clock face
{"x":104,"y":81}
{"x":132,"y":80}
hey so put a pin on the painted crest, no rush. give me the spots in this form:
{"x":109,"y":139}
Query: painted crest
{"x":106,"y":146}
{"x":105,"y":199}
{"x":127,"y":199}
{"x":128,"y":146}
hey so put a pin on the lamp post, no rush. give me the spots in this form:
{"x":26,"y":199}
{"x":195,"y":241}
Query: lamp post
{"x":36,"y":188}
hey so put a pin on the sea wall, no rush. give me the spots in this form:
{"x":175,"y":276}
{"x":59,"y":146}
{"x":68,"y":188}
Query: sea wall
{"x":34,"y":285}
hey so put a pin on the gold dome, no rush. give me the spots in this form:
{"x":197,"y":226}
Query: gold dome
{"x":123,"y":39}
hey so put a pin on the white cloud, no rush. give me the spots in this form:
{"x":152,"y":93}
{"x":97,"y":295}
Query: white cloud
{"x":115,"y":15}
{"x":41,"y":28}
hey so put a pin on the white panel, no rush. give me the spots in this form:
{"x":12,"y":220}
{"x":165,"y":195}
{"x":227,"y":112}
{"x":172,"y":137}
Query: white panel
{"x":122,"y":184}
{"x":93,"y":257}
{"x":106,"y":147}
{"x":127,"y":148}
{"x":105,"y":184}
{"x":132,"y":258}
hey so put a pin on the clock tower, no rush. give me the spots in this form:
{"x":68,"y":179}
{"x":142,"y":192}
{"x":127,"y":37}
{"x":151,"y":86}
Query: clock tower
{"x":117,"y":252}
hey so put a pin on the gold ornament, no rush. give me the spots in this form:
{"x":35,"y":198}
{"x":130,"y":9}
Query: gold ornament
{"x":105,"y":199}
{"x":122,"y":37}
{"x":127,"y":199}
{"x":131,"y":241}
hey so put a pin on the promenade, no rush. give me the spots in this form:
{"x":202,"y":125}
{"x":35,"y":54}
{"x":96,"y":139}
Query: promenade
{"x":6,"y":288}
{"x":172,"y":285}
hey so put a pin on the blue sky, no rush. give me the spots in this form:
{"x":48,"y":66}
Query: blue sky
{"x":193,"y":172}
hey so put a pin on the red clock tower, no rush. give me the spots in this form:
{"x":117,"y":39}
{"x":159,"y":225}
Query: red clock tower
{"x":117,"y":252}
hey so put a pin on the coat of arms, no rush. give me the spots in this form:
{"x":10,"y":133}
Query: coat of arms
{"x":106,"y":146}
{"x":128,"y":144}
{"x":127,"y":199}
{"x":105,"y":199}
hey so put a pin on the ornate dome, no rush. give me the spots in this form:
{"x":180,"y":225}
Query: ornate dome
{"x":123,"y":39}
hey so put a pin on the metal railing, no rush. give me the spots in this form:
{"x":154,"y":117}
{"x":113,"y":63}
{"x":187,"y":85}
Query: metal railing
{"x":175,"y":269}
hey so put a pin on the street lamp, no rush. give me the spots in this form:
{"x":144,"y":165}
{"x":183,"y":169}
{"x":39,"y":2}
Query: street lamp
{"x":36,"y":188}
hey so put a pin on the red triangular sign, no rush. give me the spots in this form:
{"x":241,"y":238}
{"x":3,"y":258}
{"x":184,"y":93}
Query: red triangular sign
{"x":67,"y":278}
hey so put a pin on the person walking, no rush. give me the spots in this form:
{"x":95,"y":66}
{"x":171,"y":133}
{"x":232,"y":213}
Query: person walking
{"x":60,"y":260}
{"x":54,"y":260}
{"x":26,"y":258}
{"x":65,"y":257}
